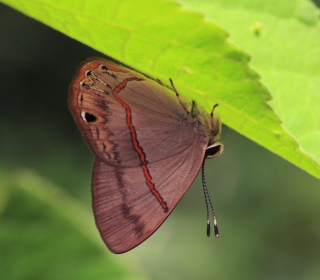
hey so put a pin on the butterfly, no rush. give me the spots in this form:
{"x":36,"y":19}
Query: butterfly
{"x":148,"y":145}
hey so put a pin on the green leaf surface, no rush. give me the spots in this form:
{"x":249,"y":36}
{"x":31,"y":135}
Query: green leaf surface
{"x":46,"y":234}
{"x":283,"y":38}
{"x":163,"y":39}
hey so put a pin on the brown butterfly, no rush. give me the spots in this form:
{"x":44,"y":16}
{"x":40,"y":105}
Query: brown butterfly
{"x":148,"y":146}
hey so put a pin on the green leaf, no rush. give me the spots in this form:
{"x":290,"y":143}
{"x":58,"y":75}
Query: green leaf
{"x":163,"y":39}
{"x":46,"y":234}
{"x":283,"y":38}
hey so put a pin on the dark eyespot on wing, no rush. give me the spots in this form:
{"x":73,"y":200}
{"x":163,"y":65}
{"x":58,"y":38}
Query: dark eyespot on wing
{"x":89,"y":117}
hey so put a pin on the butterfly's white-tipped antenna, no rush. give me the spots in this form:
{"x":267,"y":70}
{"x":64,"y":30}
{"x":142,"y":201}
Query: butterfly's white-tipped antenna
{"x":209,"y":202}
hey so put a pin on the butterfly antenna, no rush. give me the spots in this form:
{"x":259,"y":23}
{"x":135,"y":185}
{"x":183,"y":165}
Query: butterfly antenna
{"x":209,"y":202}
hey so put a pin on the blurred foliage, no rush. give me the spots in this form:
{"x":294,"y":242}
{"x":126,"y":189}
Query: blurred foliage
{"x":267,"y":209}
{"x":44,"y":234}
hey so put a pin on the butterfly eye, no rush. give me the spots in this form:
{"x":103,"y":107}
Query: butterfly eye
{"x":87,"y":117}
{"x":214,"y":150}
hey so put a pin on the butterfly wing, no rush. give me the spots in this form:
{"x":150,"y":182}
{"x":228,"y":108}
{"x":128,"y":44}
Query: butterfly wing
{"x":148,"y":152}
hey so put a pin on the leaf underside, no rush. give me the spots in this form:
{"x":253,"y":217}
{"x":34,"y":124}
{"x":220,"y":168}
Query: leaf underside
{"x":181,"y":41}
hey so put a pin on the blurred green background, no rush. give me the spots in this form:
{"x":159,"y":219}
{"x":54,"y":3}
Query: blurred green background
{"x":267,"y":210}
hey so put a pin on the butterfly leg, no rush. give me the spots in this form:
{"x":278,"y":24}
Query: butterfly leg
{"x":180,"y":99}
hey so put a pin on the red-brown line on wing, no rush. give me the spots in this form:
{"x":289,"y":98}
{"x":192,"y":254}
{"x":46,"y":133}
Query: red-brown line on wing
{"x":136,"y":143}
